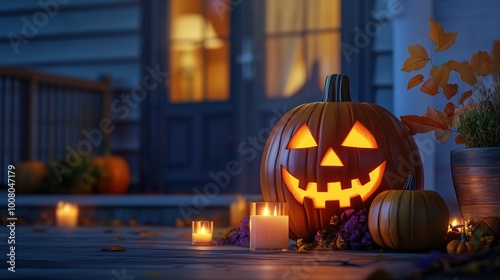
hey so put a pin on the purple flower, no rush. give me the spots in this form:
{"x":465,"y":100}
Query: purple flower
{"x":354,"y":229}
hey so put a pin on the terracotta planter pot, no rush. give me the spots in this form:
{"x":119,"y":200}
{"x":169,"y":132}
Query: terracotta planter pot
{"x":476,"y":177}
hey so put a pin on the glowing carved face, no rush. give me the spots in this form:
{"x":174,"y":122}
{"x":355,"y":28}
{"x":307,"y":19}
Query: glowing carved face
{"x":358,"y":137}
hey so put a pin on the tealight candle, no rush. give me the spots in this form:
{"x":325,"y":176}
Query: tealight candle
{"x":202,"y":232}
{"x":66,"y":214}
{"x":455,"y":226}
{"x":269,"y":226}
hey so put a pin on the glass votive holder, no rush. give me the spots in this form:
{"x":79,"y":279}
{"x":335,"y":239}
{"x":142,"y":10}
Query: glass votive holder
{"x":202,"y":232}
{"x":66,"y":214}
{"x":269,"y":226}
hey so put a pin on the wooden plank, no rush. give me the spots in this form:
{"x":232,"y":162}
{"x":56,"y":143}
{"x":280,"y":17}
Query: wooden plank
{"x":32,"y":6}
{"x":39,"y":52}
{"x":77,"y":22}
{"x":76,"y":254}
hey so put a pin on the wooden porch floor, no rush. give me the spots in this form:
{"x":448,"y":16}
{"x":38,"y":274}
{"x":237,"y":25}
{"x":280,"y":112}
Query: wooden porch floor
{"x":166,"y":253}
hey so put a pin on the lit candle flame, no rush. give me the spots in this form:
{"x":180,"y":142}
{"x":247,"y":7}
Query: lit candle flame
{"x":265,"y":212}
{"x":454,"y":223}
{"x":202,"y":230}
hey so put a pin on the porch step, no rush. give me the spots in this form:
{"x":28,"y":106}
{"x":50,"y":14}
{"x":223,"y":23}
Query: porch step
{"x":168,"y":210}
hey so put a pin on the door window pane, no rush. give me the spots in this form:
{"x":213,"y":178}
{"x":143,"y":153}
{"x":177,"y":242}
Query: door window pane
{"x":302,"y":44}
{"x":199,"y":51}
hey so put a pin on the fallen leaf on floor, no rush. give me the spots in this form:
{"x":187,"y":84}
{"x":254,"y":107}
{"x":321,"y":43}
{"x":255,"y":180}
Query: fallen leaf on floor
{"x":147,"y":233}
{"x":114,"y":248}
{"x":144,"y":240}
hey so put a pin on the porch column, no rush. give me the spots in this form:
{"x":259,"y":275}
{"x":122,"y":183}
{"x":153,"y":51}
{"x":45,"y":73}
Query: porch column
{"x":411,"y":26}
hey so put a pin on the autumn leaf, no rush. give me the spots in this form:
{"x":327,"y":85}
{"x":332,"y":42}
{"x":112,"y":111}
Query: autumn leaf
{"x":441,"y":73}
{"x":450,"y":90}
{"x":449,"y":113}
{"x":466,"y":95}
{"x":421,"y":124}
{"x":415,"y":81}
{"x":436,"y":116}
{"x":435,"y":30}
{"x":442,"y":40}
{"x":481,"y":63}
{"x":460,"y":139}
{"x":442,"y":135}
{"x":454,"y":65}
{"x":467,"y":74}
{"x":449,"y":110}
{"x":417,"y":60}
{"x":430,"y":87}
{"x":114,"y":248}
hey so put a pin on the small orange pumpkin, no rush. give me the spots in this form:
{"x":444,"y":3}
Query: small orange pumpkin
{"x":29,"y":176}
{"x":488,"y":226}
{"x":460,"y":246}
{"x":116,"y":179}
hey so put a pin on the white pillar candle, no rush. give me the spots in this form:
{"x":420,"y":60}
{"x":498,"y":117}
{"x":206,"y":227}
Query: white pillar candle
{"x":66,"y":214}
{"x":202,"y":232}
{"x":269,"y":226}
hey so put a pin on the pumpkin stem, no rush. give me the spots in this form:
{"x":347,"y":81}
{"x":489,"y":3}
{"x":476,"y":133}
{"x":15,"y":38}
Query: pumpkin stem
{"x":410,"y":183}
{"x":336,"y":89}
{"x":464,"y":238}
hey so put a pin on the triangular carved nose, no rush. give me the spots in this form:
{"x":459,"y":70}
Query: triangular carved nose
{"x":331,"y":159}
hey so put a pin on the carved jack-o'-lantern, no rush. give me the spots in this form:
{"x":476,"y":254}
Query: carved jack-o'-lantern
{"x":327,"y":156}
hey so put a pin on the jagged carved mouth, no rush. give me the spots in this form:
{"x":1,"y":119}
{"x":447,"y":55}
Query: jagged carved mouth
{"x":335,"y":191}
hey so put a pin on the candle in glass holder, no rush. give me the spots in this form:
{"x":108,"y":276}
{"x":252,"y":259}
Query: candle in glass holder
{"x":202,"y":232}
{"x":269,"y":226}
{"x":66,"y":214}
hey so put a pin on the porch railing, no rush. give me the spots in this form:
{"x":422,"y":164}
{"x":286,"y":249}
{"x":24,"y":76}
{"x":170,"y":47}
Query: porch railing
{"x":46,"y":117}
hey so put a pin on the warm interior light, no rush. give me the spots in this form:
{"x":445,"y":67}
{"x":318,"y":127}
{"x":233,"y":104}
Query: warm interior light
{"x":360,"y":137}
{"x":331,"y":159}
{"x":202,"y":230}
{"x":454,"y":223}
{"x":302,"y":139}
{"x":275,"y":211}
{"x":189,"y":30}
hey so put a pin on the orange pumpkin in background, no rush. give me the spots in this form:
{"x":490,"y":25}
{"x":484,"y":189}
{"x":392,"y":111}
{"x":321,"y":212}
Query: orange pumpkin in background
{"x":30,"y":176}
{"x":116,"y":177}
{"x":327,"y":156}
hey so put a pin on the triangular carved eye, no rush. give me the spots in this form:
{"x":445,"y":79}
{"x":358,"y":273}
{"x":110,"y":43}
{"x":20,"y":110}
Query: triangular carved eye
{"x":360,"y":137}
{"x":302,"y":139}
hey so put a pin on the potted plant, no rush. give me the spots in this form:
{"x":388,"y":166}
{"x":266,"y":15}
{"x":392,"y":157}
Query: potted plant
{"x":472,"y":111}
